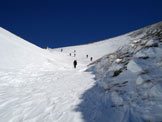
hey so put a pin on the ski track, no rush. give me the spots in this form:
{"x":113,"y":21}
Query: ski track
{"x":45,"y":96}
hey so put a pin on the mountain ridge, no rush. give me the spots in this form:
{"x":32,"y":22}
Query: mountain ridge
{"x":131,"y":77}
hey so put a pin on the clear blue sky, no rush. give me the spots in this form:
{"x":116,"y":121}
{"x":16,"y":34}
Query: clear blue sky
{"x":58,"y":23}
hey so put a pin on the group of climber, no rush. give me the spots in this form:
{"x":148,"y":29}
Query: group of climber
{"x":74,"y":53}
{"x":75,"y":61}
{"x":90,"y":58}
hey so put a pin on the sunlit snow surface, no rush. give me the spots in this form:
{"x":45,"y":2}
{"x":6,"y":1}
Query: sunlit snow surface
{"x":41,"y":85}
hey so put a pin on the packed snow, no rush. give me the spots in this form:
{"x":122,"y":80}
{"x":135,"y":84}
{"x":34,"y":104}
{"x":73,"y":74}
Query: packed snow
{"x":120,"y":84}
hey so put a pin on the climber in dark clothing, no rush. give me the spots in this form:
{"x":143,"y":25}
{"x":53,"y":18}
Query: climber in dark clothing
{"x":87,"y":56}
{"x":91,"y":58}
{"x":75,"y":63}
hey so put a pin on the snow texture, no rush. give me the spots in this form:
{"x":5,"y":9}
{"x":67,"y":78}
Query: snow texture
{"x":121,"y":84}
{"x":133,"y":85}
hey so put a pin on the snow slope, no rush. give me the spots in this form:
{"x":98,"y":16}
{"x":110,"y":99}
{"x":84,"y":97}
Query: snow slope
{"x":38,"y":85}
{"x":97,"y":49}
{"x":18,"y":54}
{"x":131,"y":77}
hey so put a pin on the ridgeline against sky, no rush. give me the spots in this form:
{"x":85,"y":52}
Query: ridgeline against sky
{"x":59,"y":23}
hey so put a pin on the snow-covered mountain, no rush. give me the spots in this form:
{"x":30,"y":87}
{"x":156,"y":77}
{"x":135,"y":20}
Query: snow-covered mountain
{"x":18,"y":54}
{"x":131,"y":77}
{"x":121,"y":84}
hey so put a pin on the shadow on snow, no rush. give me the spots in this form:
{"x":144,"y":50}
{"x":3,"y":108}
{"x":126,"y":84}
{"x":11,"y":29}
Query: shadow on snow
{"x":96,"y":106}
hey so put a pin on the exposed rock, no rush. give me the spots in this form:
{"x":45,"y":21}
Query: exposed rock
{"x":116,"y":73}
{"x":125,"y":82}
{"x":143,"y":72}
{"x":152,"y":43}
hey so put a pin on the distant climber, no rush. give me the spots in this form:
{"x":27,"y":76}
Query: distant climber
{"x":87,"y":56}
{"x":61,"y":50}
{"x":74,"y":55}
{"x":74,"y":51}
{"x":91,"y":58}
{"x":70,"y":54}
{"x":75,"y":63}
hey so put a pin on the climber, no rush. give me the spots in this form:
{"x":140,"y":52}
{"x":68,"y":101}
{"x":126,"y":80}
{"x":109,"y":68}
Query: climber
{"x":75,"y":63}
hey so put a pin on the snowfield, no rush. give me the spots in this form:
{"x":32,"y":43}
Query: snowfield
{"x":121,"y":84}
